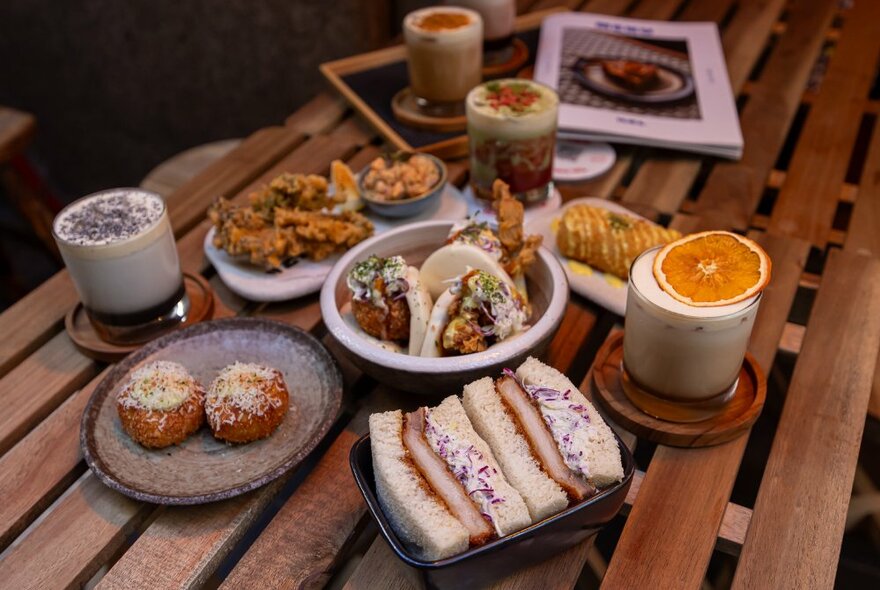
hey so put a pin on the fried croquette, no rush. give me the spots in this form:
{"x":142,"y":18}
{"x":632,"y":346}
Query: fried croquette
{"x":246,"y":402}
{"x":391,"y":323}
{"x":161,"y":405}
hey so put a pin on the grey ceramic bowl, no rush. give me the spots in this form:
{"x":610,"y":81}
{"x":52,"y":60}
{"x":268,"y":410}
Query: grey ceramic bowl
{"x":406,"y":207}
{"x":548,"y":293}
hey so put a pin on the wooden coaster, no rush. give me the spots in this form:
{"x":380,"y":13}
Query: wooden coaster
{"x":407,"y":111}
{"x":735,"y":419}
{"x":517,"y":59}
{"x":87,"y":341}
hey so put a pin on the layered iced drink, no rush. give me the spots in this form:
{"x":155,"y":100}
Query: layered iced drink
{"x":681,"y":362}
{"x":119,"y":250}
{"x":512,"y":134}
{"x":445,"y":54}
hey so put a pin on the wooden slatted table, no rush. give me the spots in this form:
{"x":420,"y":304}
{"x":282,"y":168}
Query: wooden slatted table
{"x":807,"y":188}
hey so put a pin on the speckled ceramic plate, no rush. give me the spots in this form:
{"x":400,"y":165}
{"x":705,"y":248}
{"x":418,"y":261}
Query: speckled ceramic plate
{"x":203,"y":469}
{"x":605,"y":289}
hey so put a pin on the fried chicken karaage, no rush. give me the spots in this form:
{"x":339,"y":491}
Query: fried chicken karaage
{"x":518,"y":249}
{"x":289,"y":218}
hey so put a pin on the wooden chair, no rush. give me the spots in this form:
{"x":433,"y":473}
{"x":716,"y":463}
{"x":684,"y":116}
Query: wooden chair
{"x":20,"y":184}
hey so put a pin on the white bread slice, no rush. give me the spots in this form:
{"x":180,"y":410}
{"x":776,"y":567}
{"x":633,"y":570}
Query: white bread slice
{"x":603,"y":454}
{"x":510,"y":515}
{"x":494,"y":423}
{"x":418,"y":516}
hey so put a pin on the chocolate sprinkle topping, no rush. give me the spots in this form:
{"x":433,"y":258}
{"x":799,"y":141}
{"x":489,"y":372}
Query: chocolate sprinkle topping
{"x":108,"y":217}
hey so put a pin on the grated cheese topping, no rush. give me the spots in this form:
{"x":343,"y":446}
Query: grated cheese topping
{"x":241,"y":386}
{"x":159,"y":386}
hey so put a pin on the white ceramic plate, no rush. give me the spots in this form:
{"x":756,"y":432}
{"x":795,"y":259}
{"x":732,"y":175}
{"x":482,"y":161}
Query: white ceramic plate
{"x":607,"y":290}
{"x":531,"y":212}
{"x":306,"y":277}
{"x":581,"y":160}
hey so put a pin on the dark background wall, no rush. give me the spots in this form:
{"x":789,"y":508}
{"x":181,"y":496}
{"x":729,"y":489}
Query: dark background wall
{"x":120,"y":85}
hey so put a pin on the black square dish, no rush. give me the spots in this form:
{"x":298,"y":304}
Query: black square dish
{"x":479,"y":566}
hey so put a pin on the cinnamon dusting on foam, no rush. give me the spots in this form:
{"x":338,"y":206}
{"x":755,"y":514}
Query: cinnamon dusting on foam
{"x":443,"y":21}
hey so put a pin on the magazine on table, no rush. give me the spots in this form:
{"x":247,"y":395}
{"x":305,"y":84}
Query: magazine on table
{"x":654,"y":83}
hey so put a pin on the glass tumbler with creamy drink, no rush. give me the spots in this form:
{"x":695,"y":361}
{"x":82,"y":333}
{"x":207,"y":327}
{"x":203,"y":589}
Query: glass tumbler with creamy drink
{"x":681,"y":362}
{"x":499,"y":17}
{"x":119,"y":250}
{"x":445,"y":56}
{"x":511,"y":127}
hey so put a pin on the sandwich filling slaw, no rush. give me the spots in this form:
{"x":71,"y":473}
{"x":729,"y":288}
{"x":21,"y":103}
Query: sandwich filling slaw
{"x":568,"y":422}
{"x":486,"y":308}
{"x":469,"y":467}
{"x":476,"y":233}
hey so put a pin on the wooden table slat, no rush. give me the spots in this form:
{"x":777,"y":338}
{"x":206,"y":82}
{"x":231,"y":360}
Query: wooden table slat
{"x":41,"y":559}
{"x":656,"y":9}
{"x":797,"y":524}
{"x":39,"y":385}
{"x":609,"y":7}
{"x":34,"y":319}
{"x":808,"y":199}
{"x":319,"y":115}
{"x":863,"y":235}
{"x":38,"y":468}
{"x":333,"y":506}
{"x":734,"y":189}
{"x":604,"y":186}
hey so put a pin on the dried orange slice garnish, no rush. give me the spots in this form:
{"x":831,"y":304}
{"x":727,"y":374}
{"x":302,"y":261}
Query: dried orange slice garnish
{"x":712,"y":268}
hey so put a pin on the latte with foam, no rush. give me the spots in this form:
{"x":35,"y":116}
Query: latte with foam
{"x":119,"y":250}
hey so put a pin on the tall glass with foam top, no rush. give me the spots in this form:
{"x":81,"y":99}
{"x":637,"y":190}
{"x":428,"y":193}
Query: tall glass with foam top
{"x":681,"y":362}
{"x":444,"y":56}
{"x":119,"y":249}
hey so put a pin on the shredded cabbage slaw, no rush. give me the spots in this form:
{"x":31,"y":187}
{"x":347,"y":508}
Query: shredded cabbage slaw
{"x":468,"y":466}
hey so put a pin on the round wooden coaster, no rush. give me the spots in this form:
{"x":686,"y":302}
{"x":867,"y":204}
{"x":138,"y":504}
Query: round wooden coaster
{"x":87,"y":341}
{"x":518,"y":57}
{"x":736,"y":417}
{"x":407,"y":111}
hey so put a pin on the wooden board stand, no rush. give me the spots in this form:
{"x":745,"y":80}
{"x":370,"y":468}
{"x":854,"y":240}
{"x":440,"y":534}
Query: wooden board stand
{"x":735,"y":419}
{"x":450,"y":141}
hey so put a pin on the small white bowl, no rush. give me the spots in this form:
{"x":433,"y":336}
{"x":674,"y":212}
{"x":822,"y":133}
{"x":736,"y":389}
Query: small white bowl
{"x":548,"y":294}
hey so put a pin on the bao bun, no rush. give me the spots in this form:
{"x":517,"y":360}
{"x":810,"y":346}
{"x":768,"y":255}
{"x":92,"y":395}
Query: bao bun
{"x":452,"y":261}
